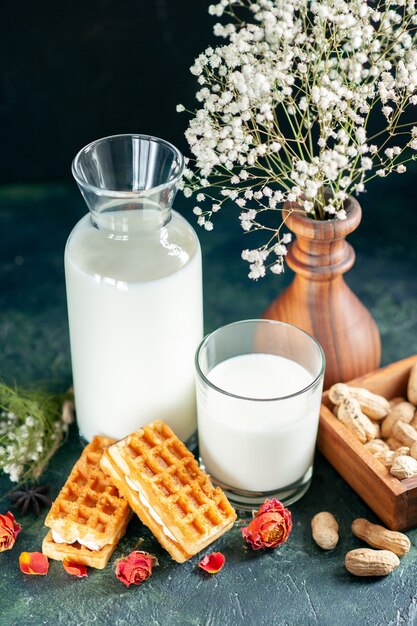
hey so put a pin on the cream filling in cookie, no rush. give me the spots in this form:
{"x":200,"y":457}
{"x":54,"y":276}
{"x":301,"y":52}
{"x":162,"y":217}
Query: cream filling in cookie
{"x":150,"y":510}
{"x":88,"y":544}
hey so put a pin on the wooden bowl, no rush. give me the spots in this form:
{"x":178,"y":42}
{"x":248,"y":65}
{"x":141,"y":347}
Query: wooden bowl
{"x":393,"y":500}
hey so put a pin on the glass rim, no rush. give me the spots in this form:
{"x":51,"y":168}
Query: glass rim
{"x":204,"y":378}
{"x":99,"y":191}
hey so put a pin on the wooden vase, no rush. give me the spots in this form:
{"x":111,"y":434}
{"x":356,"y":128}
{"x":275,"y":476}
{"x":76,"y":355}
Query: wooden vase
{"x":319,"y":301}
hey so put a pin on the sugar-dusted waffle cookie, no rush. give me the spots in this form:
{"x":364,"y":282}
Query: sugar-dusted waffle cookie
{"x":88,"y":517}
{"x":168,"y":490}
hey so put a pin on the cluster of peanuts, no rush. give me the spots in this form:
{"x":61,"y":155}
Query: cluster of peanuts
{"x":388,"y":429}
{"x":391,"y":545}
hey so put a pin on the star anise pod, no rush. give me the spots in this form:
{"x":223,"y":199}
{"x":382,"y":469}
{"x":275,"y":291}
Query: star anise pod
{"x":30,"y":498}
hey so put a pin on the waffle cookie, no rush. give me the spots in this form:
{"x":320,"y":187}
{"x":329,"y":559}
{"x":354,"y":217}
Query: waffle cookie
{"x":76,"y":553}
{"x":88,"y":517}
{"x":167,"y":489}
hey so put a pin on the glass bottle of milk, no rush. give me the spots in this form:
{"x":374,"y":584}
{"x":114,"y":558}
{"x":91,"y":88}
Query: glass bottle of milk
{"x":134,"y":290}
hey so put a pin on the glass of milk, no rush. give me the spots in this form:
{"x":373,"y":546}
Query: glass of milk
{"x":134,"y":290}
{"x":259,"y":386}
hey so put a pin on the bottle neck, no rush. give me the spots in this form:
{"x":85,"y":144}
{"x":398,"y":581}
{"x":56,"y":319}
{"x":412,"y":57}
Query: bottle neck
{"x":128,"y":220}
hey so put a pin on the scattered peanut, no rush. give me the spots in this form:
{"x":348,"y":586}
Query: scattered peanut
{"x":386,"y":457}
{"x":379,"y":537}
{"x":377,"y":429}
{"x":372,"y":405}
{"x":338,"y":392}
{"x":405,"y":433}
{"x":404,"y":467}
{"x":414,"y":420}
{"x":394,"y":401}
{"x":376,"y":445}
{"x":412,"y":385}
{"x":393,"y":443}
{"x":403,"y":451}
{"x":413,"y":450}
{"x":325,"y":529}
{"x":351,"y":416}
{"x":402,"y":412}
{"x":367,"y":562}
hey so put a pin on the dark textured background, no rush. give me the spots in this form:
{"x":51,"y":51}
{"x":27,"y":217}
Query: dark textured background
{"x":71,"y":72}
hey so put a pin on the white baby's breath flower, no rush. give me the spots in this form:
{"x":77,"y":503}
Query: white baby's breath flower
{"x":284,"y":104}
{"x":180,"y":108}
{"x":277,"y":268}
{"x":280,"y":249}
{"x":341,"y":214}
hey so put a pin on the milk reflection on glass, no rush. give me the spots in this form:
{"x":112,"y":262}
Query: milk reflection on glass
{"x":259,"y":387}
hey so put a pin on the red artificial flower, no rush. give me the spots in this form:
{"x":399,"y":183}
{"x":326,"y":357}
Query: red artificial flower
{"x":135,"y":568}
{"x":212,"y":563}
{"x":34,"y":563}
{"x":75,"y":569}
{"x":270,"y":527}
{"x":9,"y":529}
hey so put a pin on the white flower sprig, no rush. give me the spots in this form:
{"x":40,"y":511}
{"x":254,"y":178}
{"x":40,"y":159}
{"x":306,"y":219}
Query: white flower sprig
{"x":32,"y":426}
{"x":286,"y":108}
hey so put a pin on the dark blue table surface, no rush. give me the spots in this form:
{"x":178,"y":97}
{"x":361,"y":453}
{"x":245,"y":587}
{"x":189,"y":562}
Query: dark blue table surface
{"x":295,"y":584}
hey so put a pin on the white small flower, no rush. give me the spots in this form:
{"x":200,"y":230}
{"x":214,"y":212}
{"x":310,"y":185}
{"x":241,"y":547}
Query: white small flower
{"x":180,"y":108}
{"x":275,"y":146}
{"x":366,"y":163}
{"x":277,"y":268}
{"x":197,"y":210}
{"x":341,"y":214}
{"x":280,"y":249}
{"x":256,"y":271}
{"x":286,"y":238}
{"x":200,"y":197}
{"x":215,"y":208}
{"x":381,"y":173}
{"x":401,"y":169}
{"x":208,"y":225}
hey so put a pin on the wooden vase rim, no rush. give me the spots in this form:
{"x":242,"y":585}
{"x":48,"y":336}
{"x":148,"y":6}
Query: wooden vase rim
{"x":309,"y":228}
